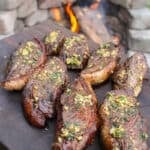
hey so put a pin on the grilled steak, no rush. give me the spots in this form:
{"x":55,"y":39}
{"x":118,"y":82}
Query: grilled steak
{"x":130,"y":75}
{"x":75,"y":52}
{"x":122,"y":126}
{"x":42,"y":90}
{"x":23,"y":62}
{"x":77,"y":119}
{"x":54,"y":42}
{"x":101,"y":64}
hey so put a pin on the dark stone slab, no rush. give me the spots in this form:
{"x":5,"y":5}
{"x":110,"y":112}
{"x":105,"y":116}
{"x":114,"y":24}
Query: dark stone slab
{"x":15,"y":132}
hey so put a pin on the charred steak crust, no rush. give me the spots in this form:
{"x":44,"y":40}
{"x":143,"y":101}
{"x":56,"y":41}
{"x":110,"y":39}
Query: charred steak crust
{"x":23,"y":62}
{"x":101,"y":63}
{"x":75,"y":52}
{"x":42,"y":91}
{"x":54,"y":42}
{"x":77,"y":119}
{"x":122,"y":127}
{"x":130,"y":75}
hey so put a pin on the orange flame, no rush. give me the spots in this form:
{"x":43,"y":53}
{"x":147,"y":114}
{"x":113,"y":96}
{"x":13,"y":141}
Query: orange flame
{"x":73,"y":19}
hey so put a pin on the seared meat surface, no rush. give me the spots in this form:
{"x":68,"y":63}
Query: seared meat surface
{"x":130,"y":75}
{"x":54,"y":42}
{"x":23,"y":62}
{"x":42,"y":90}
{"x":77,"y":119}
{"x":75,"y":52}
{"x":101,"y":64}
{"x":122,"y":127}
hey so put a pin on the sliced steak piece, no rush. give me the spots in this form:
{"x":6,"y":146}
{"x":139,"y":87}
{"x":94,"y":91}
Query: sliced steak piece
{"x":23,"y":62}
{"x":130,"y":75}
{"x":77,"y":119}
{"x":54,"y":42}
{"x":122,"y":127}
{"x":101,"y":63}
{"x":75,"y":52}
{"x":42,"y":90}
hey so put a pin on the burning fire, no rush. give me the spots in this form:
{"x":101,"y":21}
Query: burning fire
{"x":73,"y":19}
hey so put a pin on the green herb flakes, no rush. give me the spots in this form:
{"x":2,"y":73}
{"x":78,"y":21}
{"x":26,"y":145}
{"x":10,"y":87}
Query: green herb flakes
{"x":73,"y":60}
{"x":117,"y":132}
{"x":71,"y":131}
{"x":144,"y":136}
{"x":52,"y":37}
{"x":55,"y":75}
{"x":83,"y":100}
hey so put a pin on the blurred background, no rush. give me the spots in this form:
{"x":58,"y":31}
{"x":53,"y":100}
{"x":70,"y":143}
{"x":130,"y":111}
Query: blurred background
{"x":126,"y":21}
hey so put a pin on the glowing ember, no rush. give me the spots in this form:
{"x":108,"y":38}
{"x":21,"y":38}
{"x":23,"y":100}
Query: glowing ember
{"x":56,"y":13}
{"x":73,"y":19}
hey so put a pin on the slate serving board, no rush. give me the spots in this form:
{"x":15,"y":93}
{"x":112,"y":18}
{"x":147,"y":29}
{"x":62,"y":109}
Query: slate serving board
{"x":15,"y":132}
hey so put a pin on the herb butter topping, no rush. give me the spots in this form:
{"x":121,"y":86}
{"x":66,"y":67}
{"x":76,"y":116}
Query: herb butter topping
{"x":75,"y":51}
{"x":52,"y":37}
{"x":74,"y":60}
{"x":26,"y":58}
{"x":47,"y":79}
{"x":106,"y":50}
{"x":72,"y":41}
{"x":71,"y":131}
{"x":122,"y":104}
{"x":101,"y":58}
{"x":83,"y":100}
{"x":125,"y":122}
{"x":117,"y":132}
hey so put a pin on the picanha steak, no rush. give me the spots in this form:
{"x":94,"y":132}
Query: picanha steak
{"x":77,"y":120}
{"x":43,"y":90}
{"x":130,"y":75}
{"x":101,"y":63}
{"x":75,"y":51}
{"x":23,"y":62}
{"x":54,"y":41}
{"x":122,"y":126}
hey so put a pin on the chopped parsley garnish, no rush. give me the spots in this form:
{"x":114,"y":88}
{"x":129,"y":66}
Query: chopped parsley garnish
{"x":83,"y":100}
{"x":74,"y":60}
{"x":144,"y":136}
{"x":55,"y":75}
{"x":52,"y":37}
{"x":71,"y":131}
{"x":117,"y":132}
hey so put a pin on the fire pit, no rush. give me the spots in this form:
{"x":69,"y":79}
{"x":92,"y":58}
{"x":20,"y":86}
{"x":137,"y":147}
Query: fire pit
{"x":99,"y":20}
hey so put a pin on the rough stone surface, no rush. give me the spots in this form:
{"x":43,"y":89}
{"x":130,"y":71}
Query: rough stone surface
{"x":139,"y":40}
{"x":131,"y":3}
{"x":19,"y":26}
{"x":27,"y":8}
{"x":7,"y":21}
{"x":36,"y":17}
{"x":141,"y":18}
{"x":147,"y":55}
{"x":139,"y":3}
{"x":9,"y":4}
{"x":45,"y":4}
